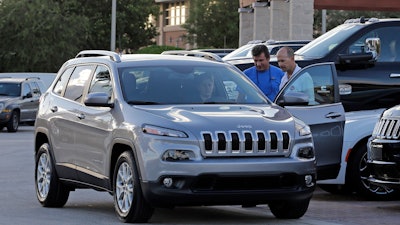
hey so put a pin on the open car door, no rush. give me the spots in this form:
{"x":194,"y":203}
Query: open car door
{"x":312,"y":95}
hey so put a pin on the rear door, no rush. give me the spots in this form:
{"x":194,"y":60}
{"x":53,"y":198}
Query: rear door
{"x":323,"y":112}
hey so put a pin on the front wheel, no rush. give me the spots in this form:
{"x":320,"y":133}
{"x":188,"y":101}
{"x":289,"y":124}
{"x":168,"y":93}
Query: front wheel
{"x":290,"y":209}
{"x":129,"y":203}
{"x":357,"y":177}
{"x":49,"y":190}
{"x":13,"y":123}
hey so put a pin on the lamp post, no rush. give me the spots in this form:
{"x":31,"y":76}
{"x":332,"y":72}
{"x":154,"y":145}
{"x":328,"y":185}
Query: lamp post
{"x":113,"y":23}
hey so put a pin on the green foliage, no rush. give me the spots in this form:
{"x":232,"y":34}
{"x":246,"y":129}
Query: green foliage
{"x":213,"y":23}
{"x":39,"y":35}
{"x":155,"y":49}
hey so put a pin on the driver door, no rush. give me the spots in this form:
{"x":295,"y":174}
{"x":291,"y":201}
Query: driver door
{"x":312,"y":95}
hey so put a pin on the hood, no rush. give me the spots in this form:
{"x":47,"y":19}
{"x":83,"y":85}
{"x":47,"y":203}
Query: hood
{"x":6,"y":98}
{"x":392,"y":112}
{"x":199,"y":118}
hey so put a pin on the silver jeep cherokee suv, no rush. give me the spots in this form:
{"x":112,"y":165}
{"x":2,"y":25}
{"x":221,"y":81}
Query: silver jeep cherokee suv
{"x":164,"y":131}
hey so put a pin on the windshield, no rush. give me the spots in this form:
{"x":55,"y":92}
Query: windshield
{"x":10,"y":89}
{"x":243,"y":51}
{"x":321,"y":46}
{"x":185,"y":84}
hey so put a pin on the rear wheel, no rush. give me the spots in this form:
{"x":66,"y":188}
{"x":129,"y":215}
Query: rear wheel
{"x":49,"y":190}
{"x":129,"y":203}
{"x":357,"y":177}
{"x":290,"y":209}
{"x":12,"y":124}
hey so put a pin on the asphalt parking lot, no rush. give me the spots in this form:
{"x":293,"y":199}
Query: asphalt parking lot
{"x":19,"y":204}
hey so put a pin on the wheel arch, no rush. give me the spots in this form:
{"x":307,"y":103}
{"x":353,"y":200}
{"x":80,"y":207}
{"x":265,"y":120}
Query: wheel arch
{"x":117,"y":149}
{"x":353,"y":151}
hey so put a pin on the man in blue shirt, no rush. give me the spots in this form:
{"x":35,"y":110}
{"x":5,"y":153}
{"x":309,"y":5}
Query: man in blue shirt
{"x":267,"y":77}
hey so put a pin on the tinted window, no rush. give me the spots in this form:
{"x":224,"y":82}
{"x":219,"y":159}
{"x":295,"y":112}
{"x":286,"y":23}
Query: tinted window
{"x":187,"y":84}
{"x":62,"y":81}
{"x":316,"y":82}
{"x":77,"y":82}
{"x":26,"y":89}
{"x":101,"y":81}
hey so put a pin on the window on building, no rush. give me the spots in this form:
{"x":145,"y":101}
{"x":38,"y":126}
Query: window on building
{"x":175,"y":13}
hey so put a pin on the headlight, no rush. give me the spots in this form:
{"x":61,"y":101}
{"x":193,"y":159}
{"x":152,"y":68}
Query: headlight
{"x":149,"y":129}
{"x":302,"y":128}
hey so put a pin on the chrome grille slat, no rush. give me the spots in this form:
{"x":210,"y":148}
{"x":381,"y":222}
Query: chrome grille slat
{"x":388,"y":129}
{"x":245,"y":143}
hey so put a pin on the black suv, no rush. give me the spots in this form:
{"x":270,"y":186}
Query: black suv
{"x":384,"y":150}
{"x":19,"y":101}
{"x":366,"y":53}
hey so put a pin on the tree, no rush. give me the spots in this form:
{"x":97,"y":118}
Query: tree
{"x":39,"y":35}
{"x":213,"y":23}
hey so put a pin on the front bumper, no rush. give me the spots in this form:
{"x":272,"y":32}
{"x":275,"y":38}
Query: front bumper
{"x":384,"y":163}
{"x":227,"y":189}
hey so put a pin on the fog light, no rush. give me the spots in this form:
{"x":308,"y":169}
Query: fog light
{"x":307,"y":153}
{"x":168,"y":182}
{"x":309,"y":180}
{"x":177,"y":155}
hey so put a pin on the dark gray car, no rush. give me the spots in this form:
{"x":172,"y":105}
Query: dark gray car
{"x":19,"y":101}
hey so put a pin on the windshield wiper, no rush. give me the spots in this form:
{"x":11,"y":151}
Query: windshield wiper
{"x":143,"y":103}
{"x":214,"y":102}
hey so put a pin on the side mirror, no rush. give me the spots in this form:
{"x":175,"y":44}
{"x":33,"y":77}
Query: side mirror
{"x":293,"y":98}
{"x":99,"y":99}
{"x":28,"y":95}
{"x":373,"y":45}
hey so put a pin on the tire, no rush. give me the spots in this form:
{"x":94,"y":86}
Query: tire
{"x":129,"y":203}
{"x":49,"y":190}
{"x":357,"y":177}
{"x":13,"y":123}
{"x":290,"y":209}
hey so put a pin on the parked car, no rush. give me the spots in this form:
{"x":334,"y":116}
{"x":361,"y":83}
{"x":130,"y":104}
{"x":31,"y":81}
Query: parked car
{"x":273,"y":47}
{"x":19,"y":101}
{"x":366,"y":53}
{"x":136,"y":127}
{"x":221,"y":52}
{"x":354,"y":173}
{"x":384,"y":150}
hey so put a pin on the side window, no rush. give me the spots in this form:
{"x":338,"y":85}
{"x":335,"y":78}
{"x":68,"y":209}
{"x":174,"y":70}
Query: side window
{"x":77,"y":82}
{"x":316,"y":82}
{"x":26,"y":89}
{"x":101,"y":81}
{"x":389,"y":41}
{"x":36,"y":89}
{"x":62,"y":81}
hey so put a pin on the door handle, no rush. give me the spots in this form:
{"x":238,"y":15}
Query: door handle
{"x":81,"y":116}
{"x":332,"y":115}
{"x":54,"y":109}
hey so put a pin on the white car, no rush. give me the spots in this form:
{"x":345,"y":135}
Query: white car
{"x":353,"y":174}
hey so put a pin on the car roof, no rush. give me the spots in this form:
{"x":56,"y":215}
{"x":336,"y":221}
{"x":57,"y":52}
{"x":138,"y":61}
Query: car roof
{"x":108,"y":57}
{"x":15,"y":80}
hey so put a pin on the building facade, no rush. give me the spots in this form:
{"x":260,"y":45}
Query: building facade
{"x":173,"y":14}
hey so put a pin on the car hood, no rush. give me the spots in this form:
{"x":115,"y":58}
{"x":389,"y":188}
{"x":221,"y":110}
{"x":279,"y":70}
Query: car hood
{"x":6,"y":98}
{"x":220,"y":117}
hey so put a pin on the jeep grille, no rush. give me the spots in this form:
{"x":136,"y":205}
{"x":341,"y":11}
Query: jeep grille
{"x":387,"y":129}
{"x":246,"y":143}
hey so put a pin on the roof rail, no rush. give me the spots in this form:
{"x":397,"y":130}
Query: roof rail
{"x":206,"y":55}
{"x":32,"y":78}
{"x":90,"y":53}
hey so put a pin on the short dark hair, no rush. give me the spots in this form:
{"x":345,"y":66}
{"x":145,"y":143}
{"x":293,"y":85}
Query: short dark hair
{"x":258,"y":49}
